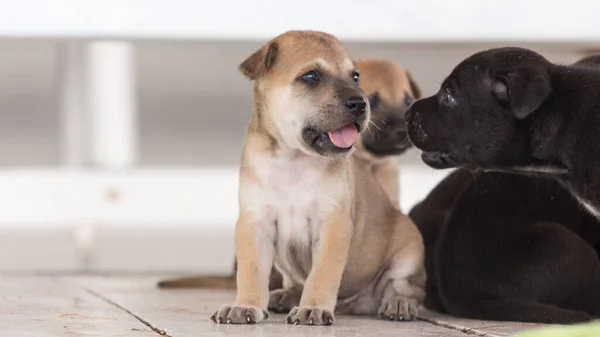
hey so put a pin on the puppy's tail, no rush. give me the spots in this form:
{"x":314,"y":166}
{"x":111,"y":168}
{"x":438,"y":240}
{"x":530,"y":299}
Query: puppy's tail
{"x":212,"y":282}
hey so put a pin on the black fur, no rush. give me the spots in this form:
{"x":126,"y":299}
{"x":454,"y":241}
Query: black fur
{"x":510,"y":109}
{"x":505,"y":246}
{"x":509,"y":247}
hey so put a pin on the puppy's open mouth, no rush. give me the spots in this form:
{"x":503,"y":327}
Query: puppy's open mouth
{"x":345,"y":136}
{"x":335,"y":142}
{"x":439,"y":159}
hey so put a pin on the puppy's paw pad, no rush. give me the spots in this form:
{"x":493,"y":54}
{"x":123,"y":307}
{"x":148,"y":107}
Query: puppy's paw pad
{"x":399,"y":308}
{"x":310,"y":316}
{"x":239,"y":314}
{"x":283,"y":300}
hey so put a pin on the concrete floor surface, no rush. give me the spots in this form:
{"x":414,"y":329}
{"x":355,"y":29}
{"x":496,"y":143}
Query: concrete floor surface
{"x":51,"y":306}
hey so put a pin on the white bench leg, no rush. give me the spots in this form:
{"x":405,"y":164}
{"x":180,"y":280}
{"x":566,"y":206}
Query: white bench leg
{"x":71,"y":103}
{"x":110,"y":89}
{"x":98,"y":102}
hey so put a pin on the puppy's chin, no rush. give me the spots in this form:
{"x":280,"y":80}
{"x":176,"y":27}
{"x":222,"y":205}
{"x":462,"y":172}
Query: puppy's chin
{"x":383,"y":149}
{"x":441,"y":160}
{"x":320,"y":143}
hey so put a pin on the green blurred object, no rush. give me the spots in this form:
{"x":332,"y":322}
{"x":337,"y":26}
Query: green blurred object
{"x":591,"y":329}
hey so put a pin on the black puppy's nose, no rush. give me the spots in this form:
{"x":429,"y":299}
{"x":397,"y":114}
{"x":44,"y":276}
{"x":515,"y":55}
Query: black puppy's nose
{"x":356,"y":104}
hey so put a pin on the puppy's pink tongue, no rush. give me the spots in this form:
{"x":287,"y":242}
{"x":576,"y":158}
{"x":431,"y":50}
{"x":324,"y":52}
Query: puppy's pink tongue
{"x":345,"y":136}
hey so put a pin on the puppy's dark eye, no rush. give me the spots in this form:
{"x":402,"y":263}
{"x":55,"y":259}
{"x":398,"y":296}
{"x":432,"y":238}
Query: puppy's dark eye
{"x":355,"y":76}
{"x":311,"y":77}
{"x":407,"y":99}
{"x":448,"y":98}
{"x":374,"y":101}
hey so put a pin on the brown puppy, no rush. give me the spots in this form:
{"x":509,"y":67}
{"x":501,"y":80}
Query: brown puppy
{"x":391,"y":90}
{"x":308,"y":204}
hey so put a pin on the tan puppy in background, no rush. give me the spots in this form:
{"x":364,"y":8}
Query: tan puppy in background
{"x":308,"y":204}
{"x":391,"y":89}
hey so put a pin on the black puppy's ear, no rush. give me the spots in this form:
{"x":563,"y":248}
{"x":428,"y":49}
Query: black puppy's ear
{"x":416,"y":90}
{"x":257,"y":64}
{"x":523,"y":91}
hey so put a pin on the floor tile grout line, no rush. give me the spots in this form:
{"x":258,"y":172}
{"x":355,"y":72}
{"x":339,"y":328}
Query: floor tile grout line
{"x":159,"y":331}
{"x":468,"y":331}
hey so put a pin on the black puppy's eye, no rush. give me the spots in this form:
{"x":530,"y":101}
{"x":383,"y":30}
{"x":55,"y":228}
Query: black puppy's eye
{"x":355,"y":76}
{"x":311,"y":77}
{"x":407,"y":99}
{"x":448,"y":98}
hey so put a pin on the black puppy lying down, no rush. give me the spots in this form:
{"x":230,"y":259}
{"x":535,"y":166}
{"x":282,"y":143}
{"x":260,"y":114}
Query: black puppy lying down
{"x":504,"y":246}
{"x":510,"y":109}
{"x":509,"y":247}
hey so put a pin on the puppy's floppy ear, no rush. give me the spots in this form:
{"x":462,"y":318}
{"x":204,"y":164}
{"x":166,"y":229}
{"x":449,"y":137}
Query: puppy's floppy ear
{"x":522,"y":90}
{"x":416,"y":90}
{"x":257,"y":64}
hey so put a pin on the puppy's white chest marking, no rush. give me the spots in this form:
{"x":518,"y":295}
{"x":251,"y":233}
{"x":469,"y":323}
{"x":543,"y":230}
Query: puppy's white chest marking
{"x":288,"y":200}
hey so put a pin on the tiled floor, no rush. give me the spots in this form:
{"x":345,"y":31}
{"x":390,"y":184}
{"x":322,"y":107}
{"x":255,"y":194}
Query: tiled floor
{"x":43,"y":306}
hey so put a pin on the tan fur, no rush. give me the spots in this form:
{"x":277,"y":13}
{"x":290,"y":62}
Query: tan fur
{"x":311,"y":208}
{"x":391,"y":82}
{"x":376,"y":76}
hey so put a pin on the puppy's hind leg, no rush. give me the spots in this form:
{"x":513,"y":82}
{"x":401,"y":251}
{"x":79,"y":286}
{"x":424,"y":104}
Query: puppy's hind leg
{"x":405,"y":291}
{"x":284,"y":299}
{"x":519,"y":310}
{"x":536,"y":272}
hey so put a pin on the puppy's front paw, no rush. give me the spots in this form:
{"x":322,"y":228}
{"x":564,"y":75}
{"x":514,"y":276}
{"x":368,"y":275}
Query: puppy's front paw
{"x":283,"y":300}
{"x":310,"y":316}
{"x":399,"y":308}
{"x":239,"y":314}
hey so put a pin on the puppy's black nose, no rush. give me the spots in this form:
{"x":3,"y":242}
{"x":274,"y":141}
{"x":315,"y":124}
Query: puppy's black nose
{"x":356,"y":104}
{"x":401,"y":133}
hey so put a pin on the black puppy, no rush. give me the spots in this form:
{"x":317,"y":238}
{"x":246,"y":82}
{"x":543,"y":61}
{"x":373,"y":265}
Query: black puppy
{"x":509,"y":109}
{"x":502,"y":246}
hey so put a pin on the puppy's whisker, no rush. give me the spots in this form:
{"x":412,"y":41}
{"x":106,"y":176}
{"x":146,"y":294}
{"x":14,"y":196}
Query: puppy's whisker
{"x":374,"y":124}
{"x":368,"y":128}
{"x":377,"y":118}
{"x":374,"y":120}
{"x":371,"y":130}
{"x":377,"y":121}
{"x":377,"y":110}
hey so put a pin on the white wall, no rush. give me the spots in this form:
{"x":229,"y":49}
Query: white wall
{"x":192,"y":98}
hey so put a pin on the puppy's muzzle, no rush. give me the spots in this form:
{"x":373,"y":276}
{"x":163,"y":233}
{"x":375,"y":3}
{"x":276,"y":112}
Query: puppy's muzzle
{"x":356,"y":105}
{"x":402,"y":137}
{"x":414,"y":127}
